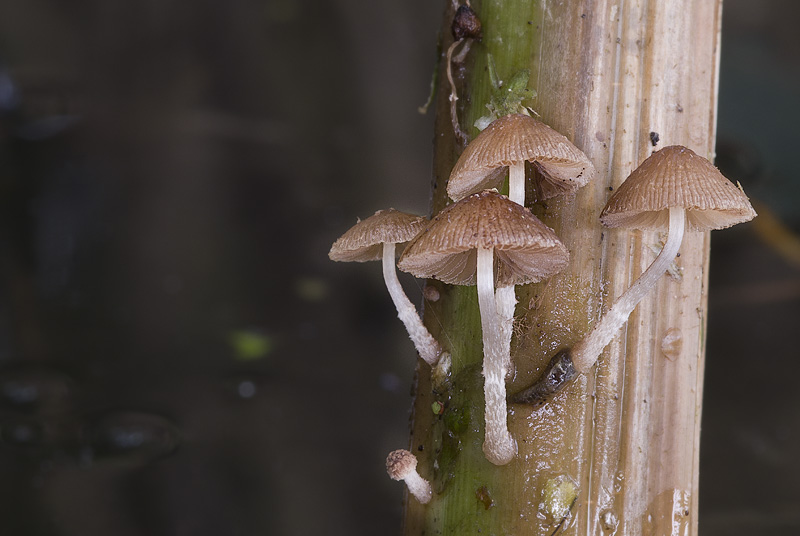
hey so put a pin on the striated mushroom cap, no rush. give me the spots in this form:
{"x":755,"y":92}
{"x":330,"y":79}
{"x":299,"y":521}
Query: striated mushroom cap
{"x":677,"y":177}
{"x":526,"y":250}
{"x":514,"y":138}
{"x":364,"y":241}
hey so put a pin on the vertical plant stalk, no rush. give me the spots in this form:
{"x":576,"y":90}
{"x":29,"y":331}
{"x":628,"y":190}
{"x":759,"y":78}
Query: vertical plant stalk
{"x":607,"y":74}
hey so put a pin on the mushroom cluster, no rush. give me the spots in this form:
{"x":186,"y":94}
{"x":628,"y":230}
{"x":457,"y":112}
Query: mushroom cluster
{"x":494,"y":242}
{"x":484,"y":239}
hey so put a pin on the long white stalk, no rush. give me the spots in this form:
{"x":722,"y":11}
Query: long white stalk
{"x":426,"y":345}
{"x":498,"y":445}
{"x":586,"y":352}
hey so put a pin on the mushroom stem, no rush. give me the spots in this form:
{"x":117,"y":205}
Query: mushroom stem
{"x":586,"y":352}
{"x":569,"y":363}
{"x":506,"y":303}
{"x":498,"y":445}
{"x":419,"y":487}
{"x":426,"y":345}
{"x":516,"y":182}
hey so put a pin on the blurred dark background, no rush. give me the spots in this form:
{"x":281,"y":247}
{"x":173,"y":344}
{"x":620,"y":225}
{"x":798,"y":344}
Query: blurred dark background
{"x":177,"y":354}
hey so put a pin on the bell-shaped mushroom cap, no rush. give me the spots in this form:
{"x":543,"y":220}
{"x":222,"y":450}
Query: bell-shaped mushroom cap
{"x":364,"y":241}
{"x":677,"y":177}
{"x":526,"y":250}
{"x":516,"y":138}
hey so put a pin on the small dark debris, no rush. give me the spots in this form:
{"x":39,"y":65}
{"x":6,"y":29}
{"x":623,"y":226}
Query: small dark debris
{"x":466,"y":24}
{"x":610,"y":188}
{"x":482,"y":494}
{"x":654,"y":137}
{"x":583,"y":15}
{"x":420,"y":448}
{"x":680,"y":109}
{"x":678,"y":255}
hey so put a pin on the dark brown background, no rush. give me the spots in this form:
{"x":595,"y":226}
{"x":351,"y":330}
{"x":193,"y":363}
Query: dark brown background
{"x":173,"y":172}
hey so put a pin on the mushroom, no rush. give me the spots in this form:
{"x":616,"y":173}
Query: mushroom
{"x":488,"y":240}
{"x":402,"y":465}
{"x":509,"y":142}
{"x":376,"y":238}
{"x":671,"y":190}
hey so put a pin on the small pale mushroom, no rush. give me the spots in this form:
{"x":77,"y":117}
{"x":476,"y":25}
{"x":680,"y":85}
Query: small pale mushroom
{"x":487,"y":240}
{"x":672,"y":190}
{"x":402,"y":465}
{"x":376,"y":238}
{"x":509,"y":142}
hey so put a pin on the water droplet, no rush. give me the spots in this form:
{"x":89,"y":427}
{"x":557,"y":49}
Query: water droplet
{"x":619,"y":480}
{"x":672,"y":343}
{"x":558,"y":496}
{"x":609,"y":521}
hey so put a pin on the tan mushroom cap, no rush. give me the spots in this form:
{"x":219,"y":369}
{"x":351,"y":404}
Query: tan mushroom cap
{"x":512,"y":139}
{"x":677,"y":177}
{"x":400,"y":463}
{"x":526,"y":250}
{"x":364,"y":241}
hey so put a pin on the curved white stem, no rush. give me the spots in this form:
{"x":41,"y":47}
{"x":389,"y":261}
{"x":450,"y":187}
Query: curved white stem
{"x":516,"y":182}
{"x":426,"y":345}
{"x":586,"y":352}
{"x":498,"y":445}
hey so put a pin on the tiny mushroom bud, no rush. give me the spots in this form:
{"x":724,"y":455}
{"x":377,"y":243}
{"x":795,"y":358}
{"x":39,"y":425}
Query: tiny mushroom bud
{"x":671,"y":190}
{"x":375,"y":238}
{"x":402,"y":465}
{"x":487,"y":240}
{"x":509,"y":142}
